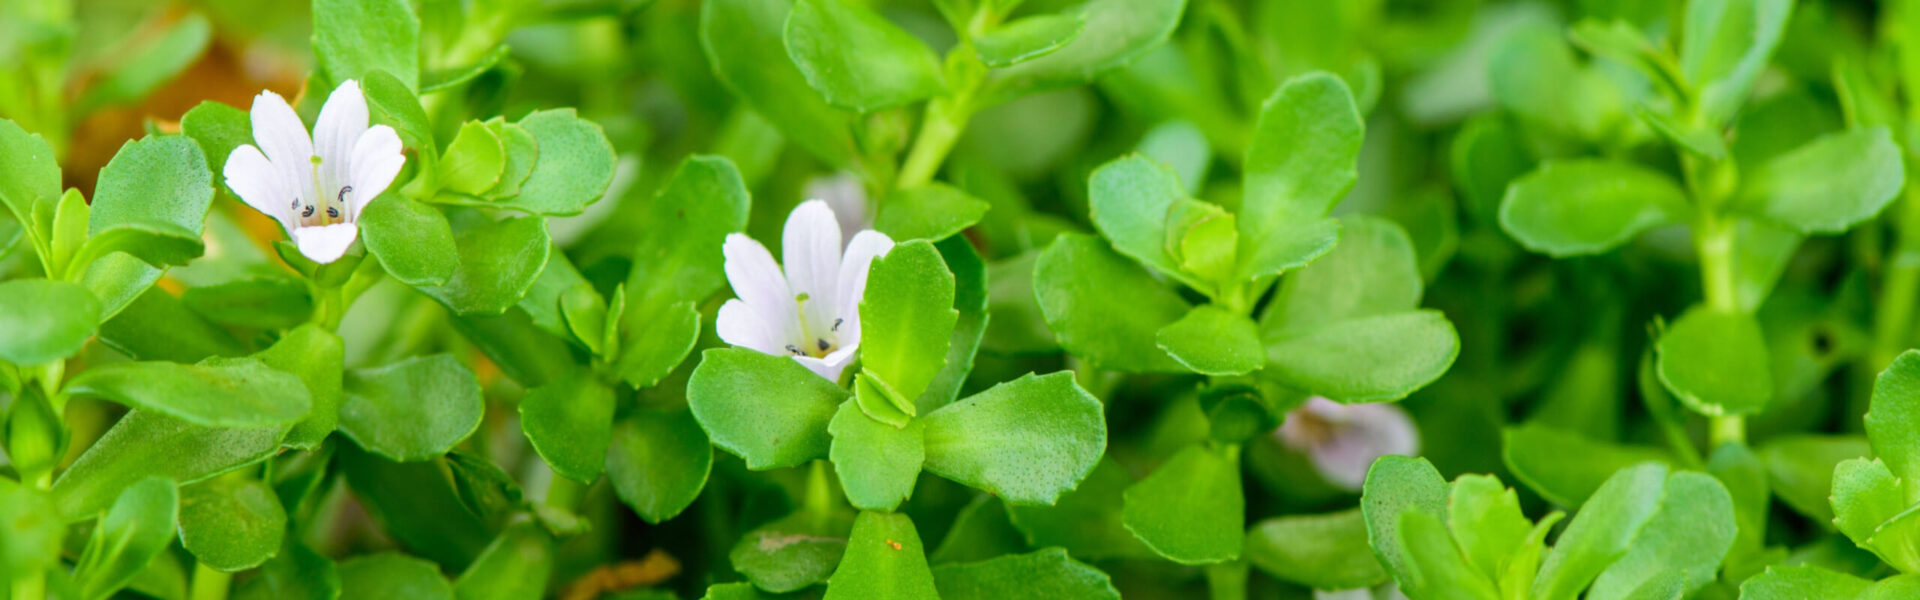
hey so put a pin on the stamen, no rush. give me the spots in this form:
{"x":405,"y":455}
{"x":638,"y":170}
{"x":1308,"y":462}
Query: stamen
{"x":333,"y":212}
{"x":795,"y":350}
{"x":307,"y":213}
{"x":836,"y":325}
{"x":823,"y":344}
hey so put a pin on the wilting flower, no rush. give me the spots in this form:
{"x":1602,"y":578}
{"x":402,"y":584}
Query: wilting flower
{"x":1342,"y":440}
{"x":315,"y":186}
{"x":812,"y":312}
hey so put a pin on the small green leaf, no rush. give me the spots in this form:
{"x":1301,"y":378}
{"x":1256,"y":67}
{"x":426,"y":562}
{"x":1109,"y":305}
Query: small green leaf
{"x":585,"y":313}
{"x":411,"y":410}
{"x":1104,"y":308}
{"x":1724,"y":46}
{"x":659,"y":462}
{"x":28,"y":170}
{"x":906,"y":320}
{"x":1395,"y":486}
{"x":1116,"y":32}
{"x":218,"y":392}
{"x":1691,"y":533}
{"x":1324,"y":552}
{"x":791,"y":553}
{"x":883,"y":560}
{"x":1088,"y":521}
{"x":1190,"y":510}
{"x":353,"y":38}
{"x":136,"y":530}
{"x":569,"y":421}
{"x":1865,"y":495}
{"x":499,"y":262}
{"x":392,"y":576}
{"x":856,"y":58}
{"x":970,"y":298}
{"x":930,"y":212}
{"x":1565,"y":467}
{"x":1533,"y":73}
{"x":744,"y":42}
{"x":1435,"y":561}
{"x":1132,"y":201}
{"x":474,"y":160}
{"x":679,"y":259}
{"x":769,"y":410}
{"x":30,"y":527}
{"x":391,"y":101}
{"x":517,"y":565}
{"x":160,"y":188}
{"x":1827,"y":185}
{"x":45,"y":320}
{"x":1716,"y":362}
{"x":519,"y":153}
{"x":70,"y":230}
{"x":231,"y":524}
{"x":144,"y":444}
{"x":878,"y":463}
{"x":272,"y":302}
{"x":1587,"y":206}
{"x":1372,"y":271}
{"x":411,"y":238}
{"x":1028,"y":440}
{"x":1382,"y":357}
{"x":1027,"y":39}
{"x":981,"y":531}
{"x":1893,"y":419}
{"x":1485,"y":519}
{"x":218,"y":128}
{"x":1800,"y":469}
{"x":1214,"y":341}
{"x":1603,"y":531}
{"x":574,"y":167}
{"x":1047,"y":573}
{"x":1303,"y":158}
{"x":1804,"y":582}
{"x":652,"y":352}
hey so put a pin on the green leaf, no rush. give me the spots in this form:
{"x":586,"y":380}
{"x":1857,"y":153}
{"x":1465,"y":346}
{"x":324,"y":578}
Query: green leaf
{"x":28,"y":170}
{"x":117,"y":280}
{"x":1132,"y":199}
{"x":1303,"y":158}
{"x":411,"y":410}
{"x":353,"y":38}
{"x":679,"y":260}
{"x":1865,"y":495}
{"x":1740,"y":470}
{"x":218,"y":392}
{"x":1382,"y":357}
{"x":1088,"y":521}
{"x":517,"y":565}
{"x":1716,"y":362}
{"x":411,"y":238}
{"x":1027,"y":39}
{"x":744,"y":43}
{"x":1893,"y":419}
{"x":1395,"y":486}
{"x":877,"y":463}
{"x":1485,"y":519}
{"x":1533,"y":73}
{"x":157,"y":326}
{"x":218,"y":128}
{"x":906,"y":320}
{"x":159,"y":185}
{"x":391,"y":575}
{"x":1116,"y":32}
{"x":1566,"y":467}
{"x":135,"y":531}
{"x":1829,"y":184}
{"x":1724,"y":46}
{"x":857,"y":59}
{"x":498,"y":264}
{"x":1436,"y":563}
{"x":1372,"y":271}
{"x":767,"y":409}
{"x":1690,"y":534}
{"x":981,"y":531}
{"x":1214,"y":341}
{"x":1800,"y":469}
{"x":1804,"y":582}
{"x":970,"y":298}
{"x":1587,"y":206}
{"x":271,"y":302}
{"x":659,"y":462}
{"x":652,"y":352}
{"x":422,"y":509}
{"x":1485,"y":157}
{"x":883,"y":560}
{"x":30,"y":528}
{"x":144,"y":444}
{"x":1603,"y":531}
{"x":157,"y":244}
{"x":519,"y":151}
{"x":391,"y":101}
{"x":231,"y":524}
{"x":1076,"y":279}
{"x":791,"y":553}
{"x":45,"y":320}
{"x":1028,"y":440}
{"x":569,"y":421}
{"x":574,"y":167}
{"x":474,"y":160}
{"x":156,"y":59}
{"x":1190,"y":510}
{"x":519,"y":347}
{"x":1324,"y":552}
{"x":1048,"y":573}
{"x":930,"y":212}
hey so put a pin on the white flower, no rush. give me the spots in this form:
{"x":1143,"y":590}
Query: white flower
{"x":811,"y":313}
{"x":316,"y":186}
{"x":1343,"y":440}
{"x":847,"y":196}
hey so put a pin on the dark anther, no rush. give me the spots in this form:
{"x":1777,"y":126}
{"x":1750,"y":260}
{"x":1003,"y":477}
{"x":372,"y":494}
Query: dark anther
{"x":333,"y":212}
{"x":823,"y":344}
{"x":342,"y":197}
{"x":795,"y":350}
{"x":836,"y":325}
{"x":308,"y":212}
{"x":296,"y":204}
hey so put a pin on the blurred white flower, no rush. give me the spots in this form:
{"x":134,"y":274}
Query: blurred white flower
{"x":812,"y":312}
{"x":315,"y":185}
{"x":847,"y":197}
{"x":1342,"y":440}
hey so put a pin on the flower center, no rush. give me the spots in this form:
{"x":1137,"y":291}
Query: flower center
{"x":329,"y":210}
{"x":1308,"y":430}
{"x":814,"y":343}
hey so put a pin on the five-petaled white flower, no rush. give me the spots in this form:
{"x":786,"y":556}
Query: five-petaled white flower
{"x":812,"y":313}
{"x":1343,"y":440}
{"x":315,"y":186}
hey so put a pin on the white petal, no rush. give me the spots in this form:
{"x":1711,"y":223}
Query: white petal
{"x":1369,"y":432}
{"x":342,"y":121}
{"x":256,"y":181}
{"x":811,"y":250}
{"x":326,"y":243}
{"x":1352,"y":594}
{"x":739,"y":325}
{"x":376,"y":160}
{"x":281,"y":135}
{"x":756,"y":281}
{"x":847,"y":196}
{"x":830,"y":365}
{"x":866,"y":246}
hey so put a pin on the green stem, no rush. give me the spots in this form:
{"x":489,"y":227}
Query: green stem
{"x":1227,"y":580}
{"x":1893,"y":323}
{"x":565,"y":493}
{"x":946,"y":118}
{"x":209,"y":584}
{"x":1728,"y":429}
{"x":819,"y":499}
{"x":1714,"y":241}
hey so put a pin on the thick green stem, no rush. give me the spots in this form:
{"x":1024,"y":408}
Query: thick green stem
{"x":1714,"y":241}
{"x":1227,"y":580}
{"x":1893,"y":321}
{"x":209,"y":584}
{"x":946,"y":118}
